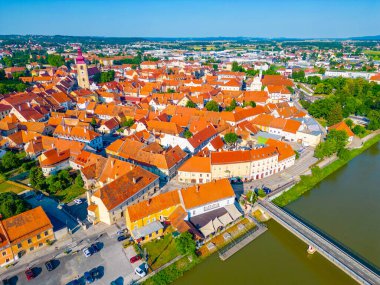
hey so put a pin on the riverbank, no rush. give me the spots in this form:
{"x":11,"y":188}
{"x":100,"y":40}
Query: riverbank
{"x":308,"y":182}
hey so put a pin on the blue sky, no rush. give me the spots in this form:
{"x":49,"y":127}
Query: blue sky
{"x":196,"y":18}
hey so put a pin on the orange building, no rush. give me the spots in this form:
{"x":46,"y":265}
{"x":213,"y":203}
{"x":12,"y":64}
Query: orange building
{"x":23,"y":233}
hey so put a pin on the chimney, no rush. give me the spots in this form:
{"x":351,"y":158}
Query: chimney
{"x":112,"y":163}
{"x":134,"y":180}
{"x":197,"y":188}
{"x":148,"y":202}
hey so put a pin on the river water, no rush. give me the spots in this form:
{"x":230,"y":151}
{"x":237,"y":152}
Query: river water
{"x":345,"y":206}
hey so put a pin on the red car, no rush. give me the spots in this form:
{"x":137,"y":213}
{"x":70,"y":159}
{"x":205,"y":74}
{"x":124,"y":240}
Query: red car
{"x":29,"y":274}
{"x":135,"y":258}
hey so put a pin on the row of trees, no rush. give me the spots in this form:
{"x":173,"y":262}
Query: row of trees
{"x":106,"y":76}
{"x":11,"y":85}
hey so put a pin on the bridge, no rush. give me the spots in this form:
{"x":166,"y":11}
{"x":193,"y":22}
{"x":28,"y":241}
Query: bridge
{"x":326,"y":248}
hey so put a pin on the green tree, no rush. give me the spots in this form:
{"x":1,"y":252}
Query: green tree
{"x":236,"y":67}
{"x":93,"y":122}
{"x":37,"y":178}
{"x":11,"y":204}
{"x":128,"y":123}
{"x":10,"y":160}
{"x":335,"y":115}
{"x":212,"y":106}
{"x":185,"y":243}
{"x":79,"y":180}
{"x":187,"y":134}
{"x":232,"y":106}
{"x":250,"y":103}
{"x":55,"y":60}
{"x":191,"y":104}
{"x":231,"y":138}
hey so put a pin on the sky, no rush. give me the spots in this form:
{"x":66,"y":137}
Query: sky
{"x":192,"y":18}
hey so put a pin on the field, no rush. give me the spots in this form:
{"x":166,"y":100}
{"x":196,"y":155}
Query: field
{"x":374,"y":53}
{"x":161,"y":251}
{"x":8,"y":187}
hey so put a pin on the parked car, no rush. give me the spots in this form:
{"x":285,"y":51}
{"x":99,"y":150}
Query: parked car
{"x":94,"y":247}
{"x":135,"y":258}
{"x":78,"y":201}
{"x":29,"y":274}
{"x":49,"y":265}
{"x":120,"y":232}
{"x":88,"y":277}
{"x":87,"y":252}
{"x":122,"y":237}
{"x":142,"y":270}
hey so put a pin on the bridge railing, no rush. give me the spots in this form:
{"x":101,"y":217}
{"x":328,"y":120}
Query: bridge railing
{"x":327,"y":254}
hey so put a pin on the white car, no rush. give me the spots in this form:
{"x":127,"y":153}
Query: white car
{"x":141,"y":270}
{"x":87,"y":252}
{"x":78,"y":201}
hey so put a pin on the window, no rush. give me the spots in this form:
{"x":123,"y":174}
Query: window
{"x":4,"y":253}
{"x":7,"y":260}
{"x":38,"y":236}
{"x":46,"y":233}
{"x":19,"y":245}
{"x":31,"y":249}
{"x":29,"y":241}
{"x":40,"y":244}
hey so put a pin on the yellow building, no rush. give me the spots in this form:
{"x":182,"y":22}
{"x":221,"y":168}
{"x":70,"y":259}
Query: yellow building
{"x":144,"y":219}
{"x":23,"y":233}
{"x":82,"y":73}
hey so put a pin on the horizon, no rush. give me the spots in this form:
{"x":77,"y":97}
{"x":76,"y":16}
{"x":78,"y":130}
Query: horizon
{"x":192,"y":19}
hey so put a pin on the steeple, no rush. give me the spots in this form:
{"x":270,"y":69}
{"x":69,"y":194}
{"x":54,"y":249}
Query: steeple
{"x":80,"y":58}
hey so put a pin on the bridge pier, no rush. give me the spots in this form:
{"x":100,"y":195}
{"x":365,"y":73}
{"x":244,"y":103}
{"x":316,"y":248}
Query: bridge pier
{"x":311,"y":249}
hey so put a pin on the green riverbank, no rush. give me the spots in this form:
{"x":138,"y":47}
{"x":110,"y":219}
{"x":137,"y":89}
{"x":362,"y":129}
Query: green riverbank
{"x":308,"y":182}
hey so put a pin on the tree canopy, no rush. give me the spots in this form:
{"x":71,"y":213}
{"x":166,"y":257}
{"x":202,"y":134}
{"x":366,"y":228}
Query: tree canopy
{"x":11,"y":204}
{"x":212,"y":106}
{"x":185,"y":243}
{"x":334,"y":144}
{"x":231,"y":138}
{"x":55,"y":60}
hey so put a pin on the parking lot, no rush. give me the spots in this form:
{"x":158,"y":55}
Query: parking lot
{"x":111,"y":263}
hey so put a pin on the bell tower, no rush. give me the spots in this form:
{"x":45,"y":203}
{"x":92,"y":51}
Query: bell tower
{"x":82,"y":73}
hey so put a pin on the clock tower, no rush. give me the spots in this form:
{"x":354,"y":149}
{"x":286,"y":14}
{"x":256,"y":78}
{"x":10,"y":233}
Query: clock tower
{"x":82,"y":73}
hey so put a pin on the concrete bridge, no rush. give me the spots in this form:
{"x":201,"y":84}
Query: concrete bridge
{"x":326,"y":248}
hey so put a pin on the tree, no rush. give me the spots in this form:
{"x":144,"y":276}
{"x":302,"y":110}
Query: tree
{"x":128,"y":123}
{"x":55,"y":60}
{"x":232,"y":106}
{"x":37,"y":178}
{"x":10,"y":160}
{"x":93,"y":122}
{"x":79,"y":180}
{"x":11,"y":204}
{"x":349,"y":123}
{"x":212,"y":106}
{"x":191,"y":104}
{"x":185,"y":243}
{"x":335,"y":115}
{"x":231,"y":138}
{"x":187,"y":134}
{"x":250,"y":103}
{"x":358,"y":130}
{"x":107,"y":76}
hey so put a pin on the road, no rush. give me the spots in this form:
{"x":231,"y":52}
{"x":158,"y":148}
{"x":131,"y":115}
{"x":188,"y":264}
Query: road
{"x":112,"y":262}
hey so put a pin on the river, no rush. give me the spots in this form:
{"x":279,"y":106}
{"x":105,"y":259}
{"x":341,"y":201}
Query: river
{"x":346,"y":206}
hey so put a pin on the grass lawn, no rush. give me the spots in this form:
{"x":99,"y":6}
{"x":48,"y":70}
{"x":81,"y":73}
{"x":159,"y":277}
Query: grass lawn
{"x":161,"y":251}
{"x":310,"y":181}
{"x":70,"y":193}
{"x":7,"y":187}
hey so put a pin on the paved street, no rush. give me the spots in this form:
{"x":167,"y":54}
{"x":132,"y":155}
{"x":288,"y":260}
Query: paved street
{"x":112,"y":263}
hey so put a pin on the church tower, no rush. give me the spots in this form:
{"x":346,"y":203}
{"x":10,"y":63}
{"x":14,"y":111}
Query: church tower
{"x":82,"y":74}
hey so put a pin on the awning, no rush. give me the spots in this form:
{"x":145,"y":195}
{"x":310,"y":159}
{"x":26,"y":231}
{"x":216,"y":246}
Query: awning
{"x":233,"y":211}
{"x":217,"y":224}
{"x":208,"y":229}
{"x":226,"y":219}
{"x":147,"y":230}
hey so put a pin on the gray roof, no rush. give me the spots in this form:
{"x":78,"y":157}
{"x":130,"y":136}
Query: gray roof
{"x":147,"y":230}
